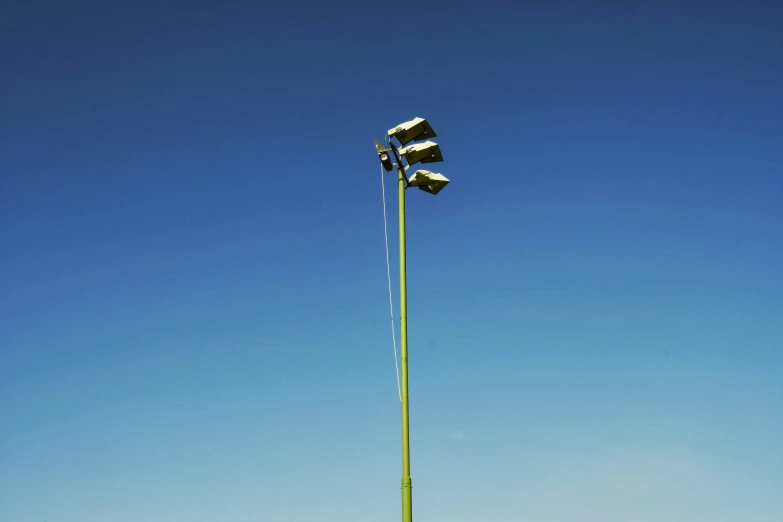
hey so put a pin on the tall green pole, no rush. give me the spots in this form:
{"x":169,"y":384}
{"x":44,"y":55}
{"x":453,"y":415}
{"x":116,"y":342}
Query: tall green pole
{"x":407,"y":506}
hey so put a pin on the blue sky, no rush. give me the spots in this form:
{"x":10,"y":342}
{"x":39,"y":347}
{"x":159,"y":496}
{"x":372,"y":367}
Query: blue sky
{"x":194,"y":314}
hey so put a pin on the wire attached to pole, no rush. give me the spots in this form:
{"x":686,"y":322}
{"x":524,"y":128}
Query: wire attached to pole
{"x":388,"y":277}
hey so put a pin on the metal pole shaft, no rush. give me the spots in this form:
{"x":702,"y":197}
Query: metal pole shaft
{"x":407,"y":507}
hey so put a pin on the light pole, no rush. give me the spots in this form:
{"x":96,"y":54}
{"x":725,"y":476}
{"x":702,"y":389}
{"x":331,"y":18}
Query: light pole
{"x":427,"y":152}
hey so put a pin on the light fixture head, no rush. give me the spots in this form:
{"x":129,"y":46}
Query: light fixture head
{"x":428,"y":181}
{"x":427,"y":152}
{"x":415,"y":130}
{"x":383,"y":154}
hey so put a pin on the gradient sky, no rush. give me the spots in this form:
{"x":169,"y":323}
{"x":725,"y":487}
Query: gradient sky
{"x":194,"y":315}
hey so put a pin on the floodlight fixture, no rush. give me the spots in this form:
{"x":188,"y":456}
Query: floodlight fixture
{"x":427,"y":152}
{"x":383,"y":154}
{"x":415,"y":130}
{"x":428,"y":181}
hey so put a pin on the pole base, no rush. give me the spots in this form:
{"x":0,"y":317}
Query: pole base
{"x":407,"y":501}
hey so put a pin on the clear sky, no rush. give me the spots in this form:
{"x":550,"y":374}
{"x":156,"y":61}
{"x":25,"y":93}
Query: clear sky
{"x":193,"y":306}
